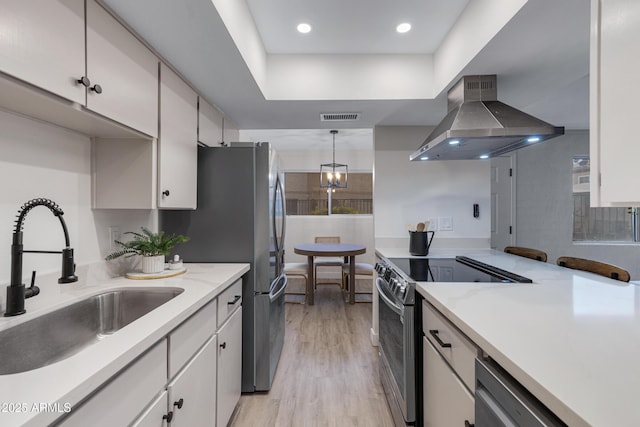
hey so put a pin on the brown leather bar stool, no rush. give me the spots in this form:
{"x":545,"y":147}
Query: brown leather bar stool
{"x":536,"y":254}
{"x":363,"y":271}
{"x":597,"y":267}
{"x":297,"y":269}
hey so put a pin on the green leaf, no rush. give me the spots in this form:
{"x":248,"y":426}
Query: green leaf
{"x":146,"y":243}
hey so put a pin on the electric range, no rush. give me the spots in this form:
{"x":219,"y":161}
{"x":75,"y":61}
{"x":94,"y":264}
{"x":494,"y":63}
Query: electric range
{"x":399,"y":322}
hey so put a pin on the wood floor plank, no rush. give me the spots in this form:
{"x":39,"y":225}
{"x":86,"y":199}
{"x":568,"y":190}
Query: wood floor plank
{"x":328,"y":372}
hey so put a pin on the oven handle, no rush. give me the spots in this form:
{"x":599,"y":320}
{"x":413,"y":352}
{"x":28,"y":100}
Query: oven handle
{"x":399,"y":310}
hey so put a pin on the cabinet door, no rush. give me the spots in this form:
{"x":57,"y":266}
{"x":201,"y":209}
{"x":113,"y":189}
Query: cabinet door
{"x":230,"y":131}
{"x":192,"y":395}
{"x":42,"y":43}
{"x":614,"y":91}
{"x":209,"y":124}
{"x":126,"y":395}
{"x":178,"y":143}
{"x":125,"y":70}
{"x":156,"y":415}
{"x":447,"y":403}
{"x":229,"y":366}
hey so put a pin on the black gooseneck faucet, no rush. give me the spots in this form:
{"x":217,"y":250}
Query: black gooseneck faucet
{"x":17,"y":291}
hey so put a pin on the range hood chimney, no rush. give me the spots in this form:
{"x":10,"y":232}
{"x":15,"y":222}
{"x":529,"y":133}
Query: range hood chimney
{"x":479,"y":126}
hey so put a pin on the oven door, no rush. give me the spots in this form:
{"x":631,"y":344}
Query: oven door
{"x":397,"y":355}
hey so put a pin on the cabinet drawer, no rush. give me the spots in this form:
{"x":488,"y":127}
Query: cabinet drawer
{"x":121,"y":400}
{"x":454,"y":347}
{"x":229,"y":300}
{"x":446,"y":401}
{"x":187,"y":338}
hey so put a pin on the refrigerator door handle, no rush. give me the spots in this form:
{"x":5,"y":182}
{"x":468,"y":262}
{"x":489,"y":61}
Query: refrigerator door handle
{"x":278,"y":290}
{"x":283,"y":209}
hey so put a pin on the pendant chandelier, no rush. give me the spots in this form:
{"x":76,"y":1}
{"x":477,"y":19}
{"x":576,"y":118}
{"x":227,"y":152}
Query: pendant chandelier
{"x":333,"y":175}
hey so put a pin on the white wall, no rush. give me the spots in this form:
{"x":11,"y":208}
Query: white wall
{"x":408,"y":192}
{"x":41,"y":160}
{"x":310,"y":160}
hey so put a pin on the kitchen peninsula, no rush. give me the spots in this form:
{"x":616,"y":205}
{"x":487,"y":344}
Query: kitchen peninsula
{"x":571,"y":338}
{"x":89,"y":378}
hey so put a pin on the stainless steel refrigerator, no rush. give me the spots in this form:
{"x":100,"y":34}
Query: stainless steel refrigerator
{"x":240,"y":217}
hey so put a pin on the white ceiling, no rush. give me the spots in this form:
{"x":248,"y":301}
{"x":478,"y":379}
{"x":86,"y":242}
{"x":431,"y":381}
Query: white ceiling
{"x":541,"y":56}
{"x":354,"y":26}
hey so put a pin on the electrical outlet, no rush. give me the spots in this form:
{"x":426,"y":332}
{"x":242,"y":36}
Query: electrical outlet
{"x":114,"y":234}
{"x":445,"y":223}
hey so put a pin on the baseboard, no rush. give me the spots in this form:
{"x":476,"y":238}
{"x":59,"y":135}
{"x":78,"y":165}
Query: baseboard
{"x":373,"y":336}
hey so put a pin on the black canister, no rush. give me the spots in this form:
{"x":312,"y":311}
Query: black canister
{"x":419,"y":242}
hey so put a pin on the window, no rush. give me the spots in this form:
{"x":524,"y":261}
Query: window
{"x":597,"y":224}
{"x":305,"y":197}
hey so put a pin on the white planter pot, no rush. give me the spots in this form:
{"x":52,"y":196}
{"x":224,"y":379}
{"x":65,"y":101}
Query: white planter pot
{"x":153,"y":264}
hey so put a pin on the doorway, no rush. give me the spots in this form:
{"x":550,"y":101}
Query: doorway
{"x":502,"y":202}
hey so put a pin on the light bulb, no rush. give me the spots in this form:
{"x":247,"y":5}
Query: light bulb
{"x":304,"y":28}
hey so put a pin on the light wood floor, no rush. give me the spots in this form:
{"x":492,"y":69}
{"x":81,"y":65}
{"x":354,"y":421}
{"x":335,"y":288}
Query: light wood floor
{"x":328,"y":371}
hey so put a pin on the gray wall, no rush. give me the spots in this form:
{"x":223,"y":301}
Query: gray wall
{"x":544,"y":204}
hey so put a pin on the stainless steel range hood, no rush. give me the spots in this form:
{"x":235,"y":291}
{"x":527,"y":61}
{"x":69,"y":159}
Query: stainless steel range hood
{"x":479,"y":126}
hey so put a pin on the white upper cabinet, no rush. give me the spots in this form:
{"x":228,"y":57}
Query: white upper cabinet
{"x":110,"y":72}
{"x":42,"y":43}
{"x":123,"y":73}
{"x":209,"y":124}
{"x":615,"y":37}
{"x":177,"y":143}
{"x":230,"y":132}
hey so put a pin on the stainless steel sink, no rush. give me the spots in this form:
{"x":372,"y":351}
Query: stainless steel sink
{"x":64,"y":332}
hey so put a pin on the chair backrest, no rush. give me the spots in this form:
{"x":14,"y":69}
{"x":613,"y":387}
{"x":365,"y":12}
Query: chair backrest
{"x":527,"y":252}
{"x":327,"y":239}
{"x":596,"y":267}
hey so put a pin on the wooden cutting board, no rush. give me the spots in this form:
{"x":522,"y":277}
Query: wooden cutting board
{"x":138,"y":275}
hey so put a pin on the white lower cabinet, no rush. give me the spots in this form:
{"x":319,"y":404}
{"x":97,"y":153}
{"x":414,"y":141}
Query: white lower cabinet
{"x":448,"y":381}
{"x":229,"y":367}
{"x":156,"y":414}
{"x":192,"y":394}
{"x":447,"y":402}
{"x":125,"y":395}
{"x":192,"y":377}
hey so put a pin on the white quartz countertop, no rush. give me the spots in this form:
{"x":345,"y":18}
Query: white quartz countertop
{"x":24,"y":396}
{"x":571,"y":338}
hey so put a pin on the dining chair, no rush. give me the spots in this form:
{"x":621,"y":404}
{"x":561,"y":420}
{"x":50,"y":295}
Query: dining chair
{"x":297,"y":269}
{"x":327,"y":263}
{"x":363,"y":271}
{"x":597,"y":267}
{"x":536,"y":254}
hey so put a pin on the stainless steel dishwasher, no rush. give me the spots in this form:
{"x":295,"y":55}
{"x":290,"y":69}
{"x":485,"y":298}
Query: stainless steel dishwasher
{"x":503,"y":402}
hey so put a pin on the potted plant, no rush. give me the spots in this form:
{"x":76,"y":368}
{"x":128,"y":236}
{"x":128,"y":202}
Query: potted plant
{"x":153,"y":247}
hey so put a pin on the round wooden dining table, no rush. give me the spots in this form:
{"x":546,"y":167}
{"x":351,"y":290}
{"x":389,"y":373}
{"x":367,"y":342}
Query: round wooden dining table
{"x":312,"y":250}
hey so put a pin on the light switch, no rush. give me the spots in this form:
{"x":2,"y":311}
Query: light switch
{"x":114,"y":234}
{"x":445,"y":223}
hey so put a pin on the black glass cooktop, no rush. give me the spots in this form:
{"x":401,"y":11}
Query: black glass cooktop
{"x":459,"y":269}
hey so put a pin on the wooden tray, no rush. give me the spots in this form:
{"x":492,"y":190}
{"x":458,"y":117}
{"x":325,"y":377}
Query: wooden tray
{"x":138,"y":275}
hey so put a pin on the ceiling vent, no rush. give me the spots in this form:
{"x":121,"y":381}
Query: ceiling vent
{"x":339,"y":117}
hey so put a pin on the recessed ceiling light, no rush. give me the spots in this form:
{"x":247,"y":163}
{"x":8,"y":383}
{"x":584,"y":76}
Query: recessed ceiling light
{"x":403,"y":28}
{"x":304,"y":28}
{"x":454,"y":142}
{"x":424,"y":158}
{"x":533,"y":139}
{"x":484,"y":156}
